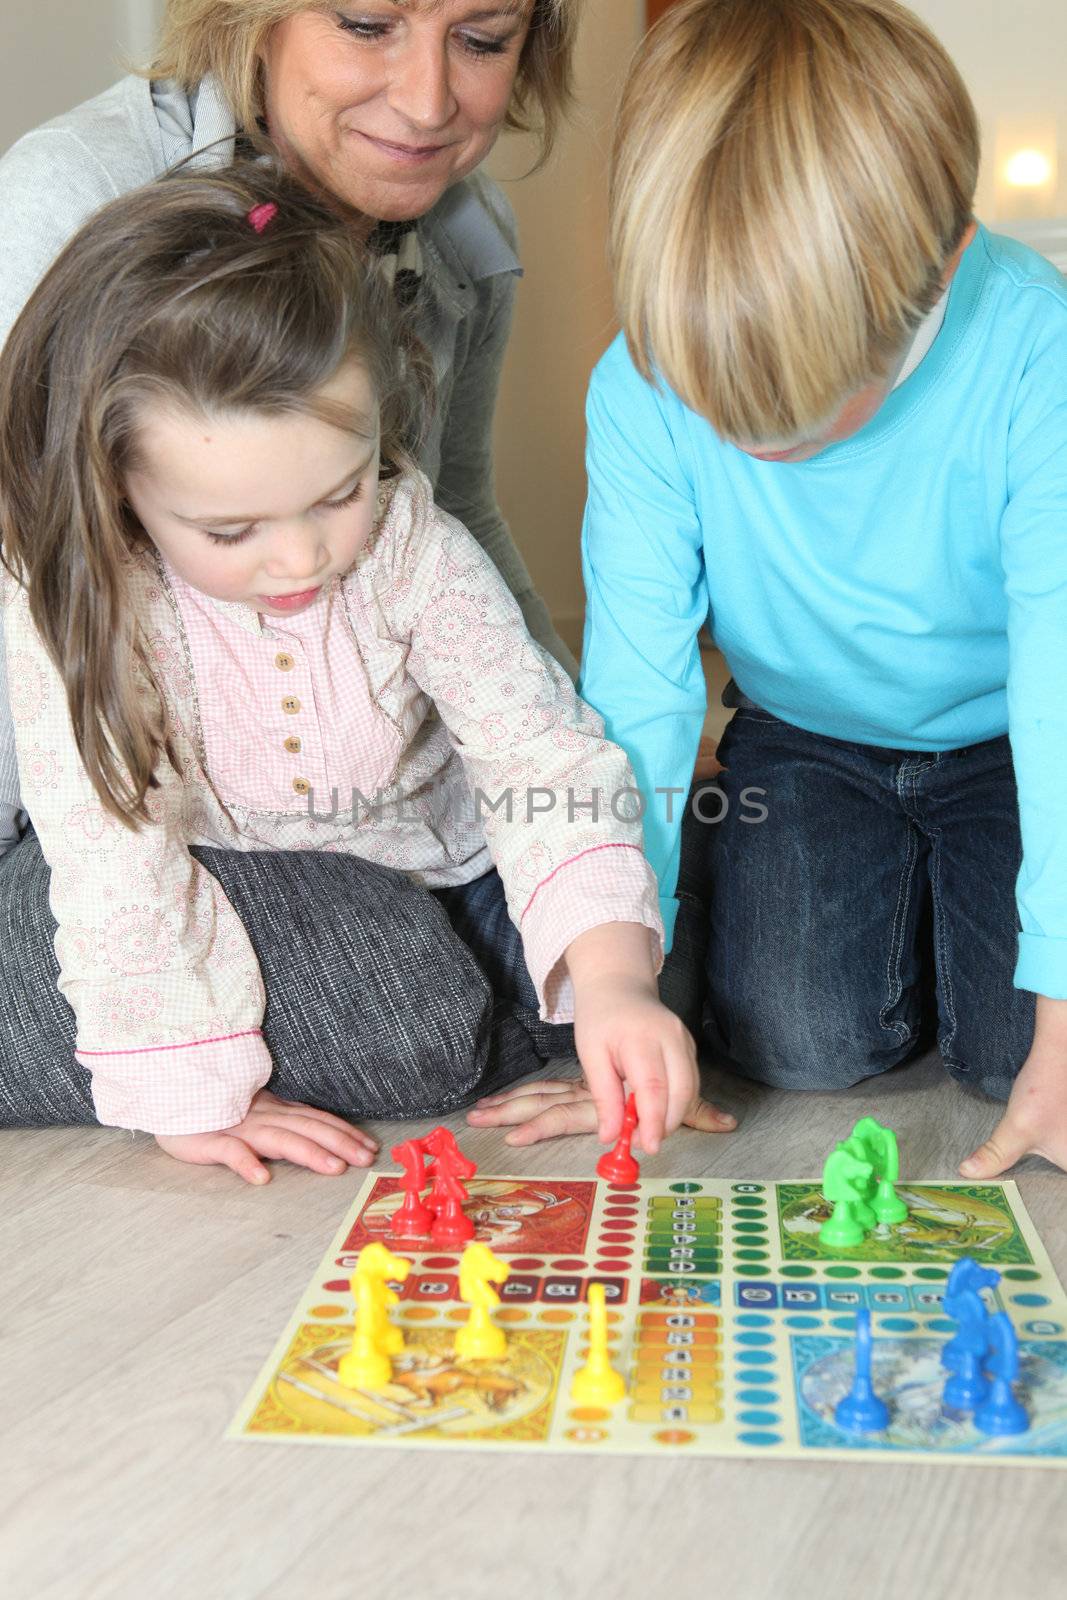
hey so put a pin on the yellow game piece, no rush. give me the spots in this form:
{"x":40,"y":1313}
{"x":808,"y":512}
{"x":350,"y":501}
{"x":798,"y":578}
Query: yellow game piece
{"x":374,"y":1339}
{"x":597,"y":1383}
{"x":480,"y":1339}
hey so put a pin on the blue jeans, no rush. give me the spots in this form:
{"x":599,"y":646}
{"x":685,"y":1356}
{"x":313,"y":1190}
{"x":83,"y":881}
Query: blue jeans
{"x":877,"y":894}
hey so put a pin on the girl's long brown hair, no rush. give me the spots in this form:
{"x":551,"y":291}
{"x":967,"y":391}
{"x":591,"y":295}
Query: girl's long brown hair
{"x":170,"y":295}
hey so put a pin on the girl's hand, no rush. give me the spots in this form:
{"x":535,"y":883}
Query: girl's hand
{"x":552,"y":1107}
{"x":1035,"y":1121}
{"x":281,"y":1130}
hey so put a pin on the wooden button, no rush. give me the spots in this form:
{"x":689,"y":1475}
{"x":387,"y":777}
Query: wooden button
{"x":301,"y":785}
{"x":291,"y":705}
{"x":293,"y":745}
{"x":284,"y":661}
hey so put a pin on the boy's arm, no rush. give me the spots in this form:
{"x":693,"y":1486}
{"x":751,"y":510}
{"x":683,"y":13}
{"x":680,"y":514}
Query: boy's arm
{"x":646,"y":600}
{"x":1034,"y":556}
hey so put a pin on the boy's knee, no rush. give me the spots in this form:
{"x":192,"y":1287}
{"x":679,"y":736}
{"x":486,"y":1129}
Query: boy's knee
{"x":813,"y":1049}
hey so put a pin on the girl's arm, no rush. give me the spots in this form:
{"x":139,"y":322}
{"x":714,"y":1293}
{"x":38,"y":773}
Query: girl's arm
{"x":154,"y":961}
{"x":646,"y":601}
{"x":557,"y":803}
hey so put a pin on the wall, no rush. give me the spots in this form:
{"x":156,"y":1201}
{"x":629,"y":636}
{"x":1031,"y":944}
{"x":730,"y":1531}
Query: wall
{"x":55,"y":53}
{"x":564,"y":319}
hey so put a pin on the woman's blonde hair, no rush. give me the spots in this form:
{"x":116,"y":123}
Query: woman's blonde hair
{"x":169,"y":295}
{"x":227,"y":37}
{"x":790,"y":179}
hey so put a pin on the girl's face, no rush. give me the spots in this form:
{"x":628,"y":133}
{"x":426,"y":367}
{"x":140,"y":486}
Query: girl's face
{"x":386,"y":103}
{"x":257,"y":508}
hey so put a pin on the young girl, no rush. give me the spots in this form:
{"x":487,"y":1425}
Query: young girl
{"x":836,"y":426}
{"x":237,"y":623}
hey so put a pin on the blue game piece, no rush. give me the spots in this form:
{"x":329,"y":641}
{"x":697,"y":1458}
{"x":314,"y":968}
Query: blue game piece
{"x":962,"y":1301}
{"x":966,"y":1386}
{"x":1002,"y":1413}
{"x":861,"y":1411}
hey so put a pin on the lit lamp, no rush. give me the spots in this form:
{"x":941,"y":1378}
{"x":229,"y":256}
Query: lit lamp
{"x":1025,"y":176}
{"x":1029,"y":195}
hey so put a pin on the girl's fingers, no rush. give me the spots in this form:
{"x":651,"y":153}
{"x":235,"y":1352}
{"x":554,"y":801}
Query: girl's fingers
{"x":544,"y":1086}
{"x":605,"y":1087}
{"x":562,"y":1117}
{"x":522,"y":1107}
{"x":335,"y":1136}
{"x":280,"y":1143}
{"x":240,"y":1158}
{"x":326,"y":1118}
{"x":647,"y":1077}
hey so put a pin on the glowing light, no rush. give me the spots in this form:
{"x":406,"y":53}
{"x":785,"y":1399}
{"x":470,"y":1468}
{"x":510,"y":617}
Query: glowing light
{"x":1028,"y":169}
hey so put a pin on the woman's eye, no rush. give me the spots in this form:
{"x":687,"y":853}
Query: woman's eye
{"x":363,"y":29}
{"x":367,"y":28}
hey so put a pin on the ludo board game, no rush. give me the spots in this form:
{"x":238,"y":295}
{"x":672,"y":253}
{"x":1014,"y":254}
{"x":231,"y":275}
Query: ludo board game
{"x":732,"y":1324}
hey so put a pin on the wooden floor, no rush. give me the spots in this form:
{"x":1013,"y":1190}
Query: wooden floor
{"x":139,"y":1298}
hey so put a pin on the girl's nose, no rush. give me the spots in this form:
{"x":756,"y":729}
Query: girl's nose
{"x":297,"y":555}
{"x":420,"y":88}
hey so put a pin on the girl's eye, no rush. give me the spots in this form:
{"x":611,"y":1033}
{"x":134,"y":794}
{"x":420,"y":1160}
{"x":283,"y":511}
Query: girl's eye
{"x":474,"y":43}
{"x":350,"y":498}
{"x":231,"y":538}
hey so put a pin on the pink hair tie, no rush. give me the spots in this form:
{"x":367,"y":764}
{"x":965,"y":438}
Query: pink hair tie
{"x":261,"y":216}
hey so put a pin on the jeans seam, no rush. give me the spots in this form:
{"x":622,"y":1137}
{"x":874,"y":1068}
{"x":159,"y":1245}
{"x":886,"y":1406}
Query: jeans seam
{"x":896,"y":943}
{"x":941,"y":962}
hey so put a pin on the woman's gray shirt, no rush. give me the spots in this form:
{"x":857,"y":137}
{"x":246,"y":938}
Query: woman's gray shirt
{"x":53,"y":180}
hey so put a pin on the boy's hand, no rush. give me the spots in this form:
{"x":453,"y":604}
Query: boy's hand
{"x":281,"y":1130}
{"x":1035,"y":1122}
{"x":552,"y":1107}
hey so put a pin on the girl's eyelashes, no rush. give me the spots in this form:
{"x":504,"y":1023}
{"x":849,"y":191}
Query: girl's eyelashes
{"x":475,"y":44}
{"x":326,"y":505}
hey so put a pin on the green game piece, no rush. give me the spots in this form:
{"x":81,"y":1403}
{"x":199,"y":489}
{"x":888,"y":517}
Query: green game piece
{"x":881,"y":1145}
{"x":844,"y":1181}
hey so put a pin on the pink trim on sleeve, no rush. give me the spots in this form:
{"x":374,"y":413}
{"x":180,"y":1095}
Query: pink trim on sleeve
{"x":565,"y":865}
{"x":163,"y":1092}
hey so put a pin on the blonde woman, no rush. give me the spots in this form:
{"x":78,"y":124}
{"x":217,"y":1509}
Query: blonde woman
{"x":386,"y":110}
{"x":389,"y":108}
{"x":836,"y":427}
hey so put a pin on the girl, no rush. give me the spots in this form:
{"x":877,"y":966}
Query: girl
{"x":237,"y":623}
{"x":836,"y":427}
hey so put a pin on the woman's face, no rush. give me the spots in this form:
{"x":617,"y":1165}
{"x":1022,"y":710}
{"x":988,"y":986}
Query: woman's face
{"x":386,"y":103}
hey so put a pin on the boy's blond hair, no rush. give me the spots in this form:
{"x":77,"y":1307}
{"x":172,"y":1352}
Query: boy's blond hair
{"x":227,"y":37}
{"x":790,"y":178}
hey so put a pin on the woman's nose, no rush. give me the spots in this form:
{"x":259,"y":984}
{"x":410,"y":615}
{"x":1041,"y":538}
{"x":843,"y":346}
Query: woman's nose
{"x":420,"y":87}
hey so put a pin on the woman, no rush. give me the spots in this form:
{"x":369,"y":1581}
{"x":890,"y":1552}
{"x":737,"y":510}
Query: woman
{"x":389,"y":108}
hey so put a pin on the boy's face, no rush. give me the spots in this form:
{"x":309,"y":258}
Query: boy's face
{"x":259,"y":508}
{"x":860,"y":407}
{"x":854,"y":415}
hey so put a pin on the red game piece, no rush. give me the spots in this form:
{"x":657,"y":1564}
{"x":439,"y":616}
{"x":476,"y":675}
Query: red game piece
{"x":411,"y":1219}
{"x":618,"y":1165}
{"x":451,"y":1225}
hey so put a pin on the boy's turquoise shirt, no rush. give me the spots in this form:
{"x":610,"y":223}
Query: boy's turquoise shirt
{"x":906,"y":587}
